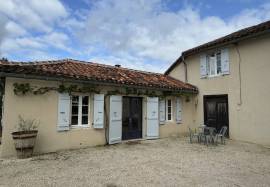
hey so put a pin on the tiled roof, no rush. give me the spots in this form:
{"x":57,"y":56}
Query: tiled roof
{"x":88,"y":71}
{"x":246,"y":33}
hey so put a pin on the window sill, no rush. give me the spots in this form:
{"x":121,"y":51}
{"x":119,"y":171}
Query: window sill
{"x":80,"y":126}
{"x":211,"y":76}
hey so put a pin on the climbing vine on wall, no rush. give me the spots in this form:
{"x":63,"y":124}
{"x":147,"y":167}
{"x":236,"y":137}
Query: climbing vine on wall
{"x":26,"y":88}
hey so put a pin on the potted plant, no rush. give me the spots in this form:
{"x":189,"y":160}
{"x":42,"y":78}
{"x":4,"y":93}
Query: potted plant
{"x":25,"y":136}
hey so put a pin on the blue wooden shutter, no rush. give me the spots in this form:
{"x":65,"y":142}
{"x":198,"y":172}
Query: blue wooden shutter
{"x":225,"y":64}
{"x":63,"y":112}
{"x":152,"y":131}
{"x":115,"y":125}
{"x":203,"y":66}
{"x":162,"y":109}
{"x":178,"y":110}
{"x":98,"y":121}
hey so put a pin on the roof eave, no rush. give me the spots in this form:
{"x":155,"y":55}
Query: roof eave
{"x":99,"y":82}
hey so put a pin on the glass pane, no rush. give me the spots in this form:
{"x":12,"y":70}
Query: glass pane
{"x":212,"y":66}
{"x":74,"y":109}
{"x":169,"y":110}
{"x":169,"y":116}
{"x":84,"y":120}
{"x":169,"y":102}
{"x":218,"y":63}
{"x":85,"y":110}
{"x":74,"y":120}
{"x":208,"y":65}
{"x":75,"y":100}
{"x":85,"y":100}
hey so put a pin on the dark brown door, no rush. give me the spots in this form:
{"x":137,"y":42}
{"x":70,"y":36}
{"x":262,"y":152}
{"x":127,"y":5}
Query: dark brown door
{"x":216,"y":111}
{"x":132,"y":118}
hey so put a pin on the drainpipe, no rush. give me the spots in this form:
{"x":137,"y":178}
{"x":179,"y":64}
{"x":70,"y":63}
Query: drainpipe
{"x":239,"y":73}
{"x":185,"y":65}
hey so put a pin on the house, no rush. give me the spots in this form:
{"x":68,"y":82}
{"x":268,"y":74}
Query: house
{"x":232,"y":75}
{"x":81,"y":104}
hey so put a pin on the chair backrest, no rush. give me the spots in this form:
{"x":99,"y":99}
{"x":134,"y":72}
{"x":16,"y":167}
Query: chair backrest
{"x":190,"y":131}
{"x":223,"y":130}
{"x":212,"y":131}
{"x":201,"y":129}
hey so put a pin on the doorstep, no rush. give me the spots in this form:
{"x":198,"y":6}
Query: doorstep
{"x":132,"y":141}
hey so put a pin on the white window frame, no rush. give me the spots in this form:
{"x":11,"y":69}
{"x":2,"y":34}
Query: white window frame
{"x":80,"y":125}
{"x":208,"y":65}
{"x":167,"y":113}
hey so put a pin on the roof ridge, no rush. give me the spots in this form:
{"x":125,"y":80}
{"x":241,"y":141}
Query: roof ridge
{"x":66,"y":60}
{"x":42,"y":62}
{"x":111,"y":66}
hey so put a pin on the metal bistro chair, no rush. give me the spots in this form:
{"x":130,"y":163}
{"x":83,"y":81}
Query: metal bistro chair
{"x":221,"y":135}
{"x":210,"y":136}
{"x":193,"y":135}
{"x":202,"y":133}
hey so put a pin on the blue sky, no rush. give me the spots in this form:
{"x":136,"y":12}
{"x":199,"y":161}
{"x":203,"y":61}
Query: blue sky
{"x":139,"y":34}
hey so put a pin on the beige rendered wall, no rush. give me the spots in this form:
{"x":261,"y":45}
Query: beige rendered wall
{"x":44,"y":108}
{"x":249,"y":120}
{"x":179,"y":72}
{"x":171,"y":128}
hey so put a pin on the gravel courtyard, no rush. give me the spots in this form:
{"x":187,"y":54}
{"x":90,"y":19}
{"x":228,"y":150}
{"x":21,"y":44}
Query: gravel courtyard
{"x":164,"y":162}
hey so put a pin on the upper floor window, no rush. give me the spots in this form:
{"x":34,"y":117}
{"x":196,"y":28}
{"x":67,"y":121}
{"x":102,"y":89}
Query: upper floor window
{"x":79,"y":110}
{"x":214,"y":63}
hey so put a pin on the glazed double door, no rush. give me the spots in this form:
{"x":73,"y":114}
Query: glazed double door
{"x":132,"y":118}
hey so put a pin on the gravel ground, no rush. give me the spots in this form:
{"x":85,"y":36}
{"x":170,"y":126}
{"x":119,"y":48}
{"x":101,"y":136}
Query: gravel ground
{"x":164,"y":162}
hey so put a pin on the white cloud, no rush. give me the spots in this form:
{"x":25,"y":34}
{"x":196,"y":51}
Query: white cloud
{"x":3,"y":30}
{"x":127,"y":61}
{"x":54,"y":40}
{"x":146,"y":29}
{"x":32,"y":14}
{"x":32,"y":26}
{"x":15,"y":30}
{"x":139,"y":34}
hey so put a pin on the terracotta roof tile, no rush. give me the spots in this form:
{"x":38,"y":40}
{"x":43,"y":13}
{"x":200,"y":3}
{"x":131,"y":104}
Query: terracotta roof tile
{"x":81,"y":70}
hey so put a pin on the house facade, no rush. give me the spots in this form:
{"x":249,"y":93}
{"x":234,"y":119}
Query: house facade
{"x":232,"y":75}
{"x":80,"y":104}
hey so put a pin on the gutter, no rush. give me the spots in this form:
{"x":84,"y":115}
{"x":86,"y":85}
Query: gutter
{"x":103,"y":83}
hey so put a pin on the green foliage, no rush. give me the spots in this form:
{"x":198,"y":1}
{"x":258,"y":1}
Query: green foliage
{"x":114,"y":92}
{"x":89,"y":89}
{"x":26,"y":124}
{"x":22,"y":89}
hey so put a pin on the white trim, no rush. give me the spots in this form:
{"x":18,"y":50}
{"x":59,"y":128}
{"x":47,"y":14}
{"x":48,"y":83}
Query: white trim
{"x":178,"y":110}
{"x":80,"y":125}
{"x":167,"y":110}
{"x":208,"y":57}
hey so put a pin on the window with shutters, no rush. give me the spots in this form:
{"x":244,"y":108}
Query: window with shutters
{"x":169,"y":109}
{"x":213,"y":64}
{"x":79,"y":111}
